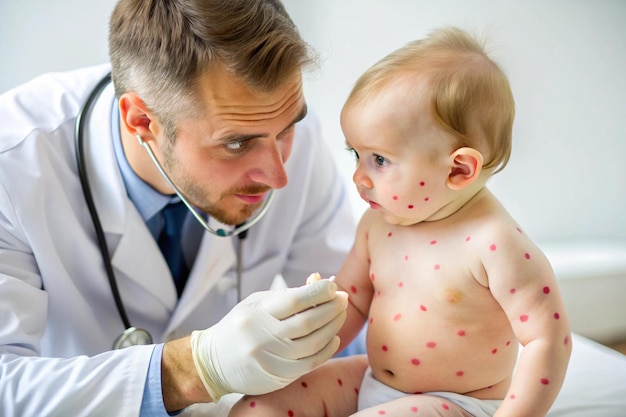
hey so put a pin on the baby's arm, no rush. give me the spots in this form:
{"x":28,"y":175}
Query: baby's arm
{"x":522,"y":281}
{"x":353,"y":277}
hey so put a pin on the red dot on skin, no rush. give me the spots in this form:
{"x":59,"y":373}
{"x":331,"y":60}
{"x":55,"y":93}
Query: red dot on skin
{"x":353,"y":289}
{"x":512,"y":396}
{"x":544,"y":381}
{"x":415,"y":361}
{"x":546,"y":290}
{"x":557,"y":316}
{"x":437,"y":267}
{"x":304,"y":385}
{"x":492,"y":247}
{"x":371,"y":320}
{"x":340,"y":382}
{"x":356,"y":390}
{"x":433,"y":242}
{"x":410,"y":206}
{"x":518,"y":229}
{"x":400,"y":284}
{"x":422,"y":183}
{"x":389,"y":234}
{"x":527,"y":255}
{"x":372,"y":277}
{"x":382,"y":412}
{"x":426,"y":199}
{"x":494,"y":351}
{"x":397,"y":317}
{"x":431,"y":345}
{"x":290,"y":413}
{"x":414,"y":409}
{"x":460,"y":373}
{"x":566,"y":340}
{"x":385,"y":348}
{"x":445,"y":406}
{"x":395,"y":197}
{"x":461,"y":332}
{"x":508,"y":342}
{"x":467,"y":239}
{"x":523,"y":318}
{"x":512,"y":290}
{"x":423,"y":307}
{"x":406,"y":257}
{"x":252,"y":404}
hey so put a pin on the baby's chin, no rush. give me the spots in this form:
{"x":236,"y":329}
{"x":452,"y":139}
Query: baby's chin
{"x":395,"y":220}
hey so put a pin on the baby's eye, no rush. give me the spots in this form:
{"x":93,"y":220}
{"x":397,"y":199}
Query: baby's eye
{"x":353,"y":152}
{"x":380,"y":160}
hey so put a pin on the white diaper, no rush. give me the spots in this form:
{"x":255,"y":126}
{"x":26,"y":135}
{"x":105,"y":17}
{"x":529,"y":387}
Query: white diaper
{"x":374,"y":392}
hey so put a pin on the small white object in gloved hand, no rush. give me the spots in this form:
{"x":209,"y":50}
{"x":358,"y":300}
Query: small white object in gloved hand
{"x":270,"y":339}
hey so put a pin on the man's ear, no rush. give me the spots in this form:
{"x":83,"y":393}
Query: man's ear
{"x":136,"y":116}
{"x":465,"y":166}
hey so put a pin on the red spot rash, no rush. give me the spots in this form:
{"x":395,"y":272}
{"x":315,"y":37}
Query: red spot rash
{"x":492,"y":247}
{"x":467,"y":239}
{"x":512,"y":290}
{"x":460,"y":373}
{"x":544,"y":381}
{"x":527,"y":255}
{"x":382,"y":412}
{"x":566,"y":340}
{"x":353,"y":289}
{"x":431,"y":345}
{"x":512,"y":396}
{"x":557,"y":316}
{"x":437,"y":267}
{"x":546,"y":290}
{"x":415,"y":361}
{"x":461,"y":332}
{"x":414,"y":409}
{"x":445,"y":406}
{"x":406,"y":257}
{"x":385,"y":348}
{"x":397,"y":317}
{"x":372,"y":277}
{"x":400,"y":284}
{"x":395,"y":197}
{"x":252,"y":404}
{"x":433,"y":242}
{"x":290,"y":413}
{"x":410,"y":206}
{"x":423,"y":307}
{"x":494,"y":351}
{"x":304,"y":384}
{"x":389,"y":234}
{"x":426,"y":199}
{"x":340,"y":382}
{"x":422,"y":183}
{"x":523,"y":318}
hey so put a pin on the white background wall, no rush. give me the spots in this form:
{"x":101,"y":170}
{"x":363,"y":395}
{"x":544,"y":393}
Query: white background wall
{"x":566,"y":61}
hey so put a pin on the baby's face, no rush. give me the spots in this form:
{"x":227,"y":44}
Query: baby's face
{"x":402,"y":155}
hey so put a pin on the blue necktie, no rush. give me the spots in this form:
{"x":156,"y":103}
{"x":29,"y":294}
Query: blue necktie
{"x":174,"y":215}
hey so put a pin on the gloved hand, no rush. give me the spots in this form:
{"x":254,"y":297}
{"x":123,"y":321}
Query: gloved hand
{"x":270,"y":339}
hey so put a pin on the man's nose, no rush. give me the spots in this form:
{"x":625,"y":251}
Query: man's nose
{"x":270,"y":167}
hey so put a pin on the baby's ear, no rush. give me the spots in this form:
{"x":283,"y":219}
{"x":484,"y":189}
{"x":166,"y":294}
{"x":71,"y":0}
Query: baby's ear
{"x":465,"y":167}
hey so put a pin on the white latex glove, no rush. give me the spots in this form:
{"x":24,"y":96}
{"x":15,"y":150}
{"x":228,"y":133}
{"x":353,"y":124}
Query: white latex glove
{"x":270,"y":339}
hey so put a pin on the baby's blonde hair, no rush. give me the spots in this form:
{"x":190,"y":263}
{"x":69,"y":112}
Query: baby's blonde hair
{"x":470,"y":95}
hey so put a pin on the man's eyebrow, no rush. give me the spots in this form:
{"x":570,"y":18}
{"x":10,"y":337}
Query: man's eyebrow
{"x":236,"y":137}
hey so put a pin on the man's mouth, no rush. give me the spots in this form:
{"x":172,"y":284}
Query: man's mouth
{"x":251,"y":198}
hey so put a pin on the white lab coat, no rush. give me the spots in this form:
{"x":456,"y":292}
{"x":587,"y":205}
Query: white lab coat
{"x":57,"y":315}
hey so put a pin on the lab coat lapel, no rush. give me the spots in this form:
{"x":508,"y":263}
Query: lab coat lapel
{"x":134,"y":253}
{"x":215,"y":257}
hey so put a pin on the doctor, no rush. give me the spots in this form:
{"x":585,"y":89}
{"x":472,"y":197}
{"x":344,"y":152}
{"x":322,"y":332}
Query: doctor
{"x":206,"y":107}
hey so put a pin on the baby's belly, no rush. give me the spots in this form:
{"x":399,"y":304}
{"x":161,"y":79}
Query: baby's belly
{"x":428,"y":351}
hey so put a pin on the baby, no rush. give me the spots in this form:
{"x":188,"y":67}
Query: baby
{"x":448,"y":282}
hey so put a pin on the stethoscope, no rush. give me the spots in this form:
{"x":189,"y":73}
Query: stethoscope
{"x":132,"y":336}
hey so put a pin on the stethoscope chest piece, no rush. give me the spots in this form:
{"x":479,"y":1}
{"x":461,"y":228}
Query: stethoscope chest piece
{"x":132,"y":337}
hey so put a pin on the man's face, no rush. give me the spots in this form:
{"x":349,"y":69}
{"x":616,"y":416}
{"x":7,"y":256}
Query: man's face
{"x":226,"y":161}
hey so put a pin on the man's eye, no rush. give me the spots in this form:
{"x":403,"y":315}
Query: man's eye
{"x":380,"y":160}
{"x":234,"y":146}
